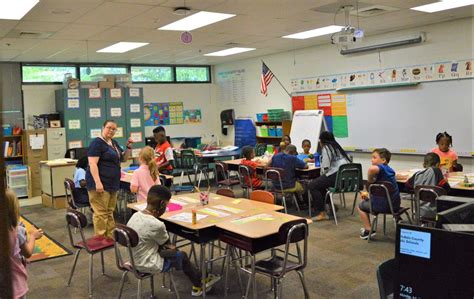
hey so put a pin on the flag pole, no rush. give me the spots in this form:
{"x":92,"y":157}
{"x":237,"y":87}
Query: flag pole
{"x":277,"y":79}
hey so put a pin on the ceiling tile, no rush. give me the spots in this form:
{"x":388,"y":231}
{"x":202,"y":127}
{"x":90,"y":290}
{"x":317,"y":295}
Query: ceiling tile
{"x":122,"y":34}
{"x":112,"y":13}
{"x":43,"y":10}
{"x":79,"y":31}
{"x":7,"y":55}
{"x":18,"y":43}
{"x":6,"y":26}
{"x":146,"y":2}
{"x":40,"y":26}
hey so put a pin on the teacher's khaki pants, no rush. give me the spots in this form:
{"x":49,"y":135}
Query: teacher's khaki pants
{"x":103,"y":205}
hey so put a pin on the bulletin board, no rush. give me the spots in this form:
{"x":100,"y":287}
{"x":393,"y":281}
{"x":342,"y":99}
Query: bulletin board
{"x":163,"y":114}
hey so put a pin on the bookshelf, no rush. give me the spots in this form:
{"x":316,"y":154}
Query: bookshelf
{"x":275,"y":140}
{"x":13,"y":149}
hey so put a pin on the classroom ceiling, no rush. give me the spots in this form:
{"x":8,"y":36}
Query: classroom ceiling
{"x":73,"y":30}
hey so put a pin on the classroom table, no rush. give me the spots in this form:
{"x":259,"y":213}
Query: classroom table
{"x":455,"y":180}
{"x":307,"y":173}
{"x":206,"y":230}
{"x":254,"y":233}
{"x":211,"y":157}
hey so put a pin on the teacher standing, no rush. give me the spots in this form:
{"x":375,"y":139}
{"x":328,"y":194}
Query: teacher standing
{"x":103,"y":177}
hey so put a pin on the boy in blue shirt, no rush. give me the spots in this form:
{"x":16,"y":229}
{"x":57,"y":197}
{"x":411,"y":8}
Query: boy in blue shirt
{"x":289,"y":162}
{"x":378,"y":172}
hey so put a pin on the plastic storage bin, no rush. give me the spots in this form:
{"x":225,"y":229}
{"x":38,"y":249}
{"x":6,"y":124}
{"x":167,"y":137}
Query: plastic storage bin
{"x":264,"y":131}
{"x":272,"y":131}
{"x":7,"y":130}
{"x":260,"y":116}
{"x":279,"y":131}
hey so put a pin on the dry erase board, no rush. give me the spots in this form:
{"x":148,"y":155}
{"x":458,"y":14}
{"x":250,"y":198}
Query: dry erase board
{"x":407,"y":119}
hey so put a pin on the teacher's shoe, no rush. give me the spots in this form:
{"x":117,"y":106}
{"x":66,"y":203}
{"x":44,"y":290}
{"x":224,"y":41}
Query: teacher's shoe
{"x":321,"y":216}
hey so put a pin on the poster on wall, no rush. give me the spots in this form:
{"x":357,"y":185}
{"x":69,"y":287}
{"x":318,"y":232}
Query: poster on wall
{"x":438,"y":71}
{"x":163,"y":114}
{"x":192,"y":116}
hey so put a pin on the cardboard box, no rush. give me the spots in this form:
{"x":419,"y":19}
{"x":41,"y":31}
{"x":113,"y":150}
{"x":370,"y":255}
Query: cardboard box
{"x":89,"y":84}
{"x":109,"y":78}
{"x":55,"y":203}
{"x":106,"y":84}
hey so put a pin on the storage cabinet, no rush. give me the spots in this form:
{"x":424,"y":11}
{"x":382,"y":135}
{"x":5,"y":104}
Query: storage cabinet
{"x":95,"y":112}
{"x":33,"y":158}
{"x":115,"y":109}
{"x":56,"y":143}
{"x":134,"y":117}
{"x":71,"y":106}
{"x":17,"y":180}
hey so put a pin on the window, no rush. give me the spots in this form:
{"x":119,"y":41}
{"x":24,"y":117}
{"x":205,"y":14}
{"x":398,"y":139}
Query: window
{"x":46,"y":73}
{"x":192,"y":74}
{"x":152,"y":74}
{"x":88,"y":72}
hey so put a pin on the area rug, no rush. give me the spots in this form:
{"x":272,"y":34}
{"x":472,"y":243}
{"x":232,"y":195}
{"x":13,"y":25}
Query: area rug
{"x":46,"y":247}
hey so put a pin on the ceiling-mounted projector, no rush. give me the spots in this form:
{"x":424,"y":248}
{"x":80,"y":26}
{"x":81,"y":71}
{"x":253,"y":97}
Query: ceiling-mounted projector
{"x":347,"y":35}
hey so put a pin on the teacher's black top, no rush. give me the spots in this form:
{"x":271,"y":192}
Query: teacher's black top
{"x":108,"y":164}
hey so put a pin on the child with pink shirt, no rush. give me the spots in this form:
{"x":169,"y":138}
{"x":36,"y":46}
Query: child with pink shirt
{"x":22,"y":245}
{"x":146,"y":175}
{"x":447,"y":156}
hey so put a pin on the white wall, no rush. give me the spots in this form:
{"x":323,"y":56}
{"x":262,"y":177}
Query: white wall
{"x":445,"y":41}
{"x":39,"y":99}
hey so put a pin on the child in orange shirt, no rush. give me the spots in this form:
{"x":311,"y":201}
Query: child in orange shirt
{"x":447,"y":156}
{"x":249,"y":153}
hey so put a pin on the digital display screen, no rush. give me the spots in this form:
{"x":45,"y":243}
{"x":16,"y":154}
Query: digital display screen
{"x":415,"y":243}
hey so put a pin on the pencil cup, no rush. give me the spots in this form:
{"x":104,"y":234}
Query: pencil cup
{"x":204,"y":198}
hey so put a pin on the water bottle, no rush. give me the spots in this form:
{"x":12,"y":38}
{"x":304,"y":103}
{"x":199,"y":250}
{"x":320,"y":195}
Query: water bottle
{"x":317,"y":163}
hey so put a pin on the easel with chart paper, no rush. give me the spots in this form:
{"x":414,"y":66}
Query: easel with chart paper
{"x":307,"y":124}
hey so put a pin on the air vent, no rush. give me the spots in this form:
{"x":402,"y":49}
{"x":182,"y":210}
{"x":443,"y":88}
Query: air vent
{"x":373,"y":10}
{"x":29,"y":34}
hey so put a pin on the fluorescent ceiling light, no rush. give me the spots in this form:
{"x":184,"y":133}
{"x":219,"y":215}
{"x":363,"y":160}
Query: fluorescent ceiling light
{"x":315,"y":32}
{"x":230,"y":51}
{"x":15,"y":9}
{"x":197,"y":20}
{"x":443,"y":5}
{"x":121,"y":47}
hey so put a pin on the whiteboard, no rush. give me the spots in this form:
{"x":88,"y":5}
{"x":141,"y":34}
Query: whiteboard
{"x":407,"y":119}
{"x":307,"y":124}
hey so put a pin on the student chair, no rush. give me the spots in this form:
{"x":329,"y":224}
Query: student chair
{"x":348,"y":179}
{"x":262,"y":196}
{"x":275,"y":174}
{"x":426,"y":194}
{"x":223,"y":177}
{"x":178,"y":170}
{"x":383,"y":190}
{"x":192,"y":166}
{"x":69,"y":187}
{"x":94,"y":245}
{"x":385,"y":275}
{"x":127,"y":238}
{"x":281,"y":262}
{"x":226,"y":192}
{"x":245,"y":178}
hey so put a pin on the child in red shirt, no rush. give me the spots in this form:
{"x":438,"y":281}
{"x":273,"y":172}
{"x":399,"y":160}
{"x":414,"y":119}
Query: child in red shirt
{"x":249,"y":153}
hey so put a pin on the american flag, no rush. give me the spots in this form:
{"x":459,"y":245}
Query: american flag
{"x":267,"y":77}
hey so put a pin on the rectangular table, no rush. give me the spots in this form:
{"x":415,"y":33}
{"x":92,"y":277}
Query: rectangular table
{"x":307,"y":173}
{"x":455,"y":180}
{"x":254,"y":233}
{"x":206,"y":230}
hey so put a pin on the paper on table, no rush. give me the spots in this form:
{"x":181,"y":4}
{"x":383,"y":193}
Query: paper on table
{"x":213,"y":212}
{"x":178,"y":202}
{"x":253,"y":218}
{"x":189,"y":199}
{"x":186,"y":217}
{"x":229,"y":148}
{"x":228,"y":209}
{"x":37,"y":141}
{"x":236,"y":201}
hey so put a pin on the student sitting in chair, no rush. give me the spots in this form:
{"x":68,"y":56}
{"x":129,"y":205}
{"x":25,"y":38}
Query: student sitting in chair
{"x":306,"y":155}
{"x":80,"y":188}
{"x":448,"y":157}
{"x":288,"y":161}
{"x":378,"y":172}
{"x":163,"y":151}
{"x":249,"y":154}
{"x":430,"y":176}
{"x":146,"y":175}
{"x":154,"y":252}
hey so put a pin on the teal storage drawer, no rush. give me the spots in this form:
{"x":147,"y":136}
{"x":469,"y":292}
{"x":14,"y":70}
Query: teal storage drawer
{"x":115,"y":109}
{"x":71,"y":107}
{"x":135,"y":116}
{"x":95,"y":112}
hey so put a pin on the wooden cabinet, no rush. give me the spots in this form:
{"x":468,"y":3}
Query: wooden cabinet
{"x":33,"y":157}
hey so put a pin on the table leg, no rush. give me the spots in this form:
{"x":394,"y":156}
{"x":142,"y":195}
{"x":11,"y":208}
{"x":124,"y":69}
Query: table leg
{"x":203,"y":268}
{"x":254,"y":278}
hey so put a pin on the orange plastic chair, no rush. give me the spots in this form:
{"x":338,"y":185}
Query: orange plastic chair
{"x":262,"y":196}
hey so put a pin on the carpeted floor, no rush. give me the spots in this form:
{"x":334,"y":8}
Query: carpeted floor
{"x":340,"y":265}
